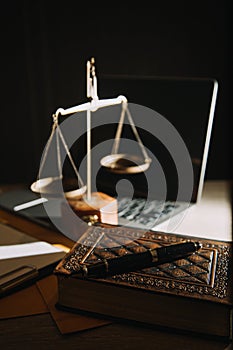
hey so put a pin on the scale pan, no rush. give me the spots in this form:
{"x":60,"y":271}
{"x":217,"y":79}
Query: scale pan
{"x":125,"y":163}
{"x":49,"y":186}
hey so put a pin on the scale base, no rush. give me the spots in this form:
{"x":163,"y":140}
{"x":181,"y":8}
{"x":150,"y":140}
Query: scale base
{"x":99,"y":208}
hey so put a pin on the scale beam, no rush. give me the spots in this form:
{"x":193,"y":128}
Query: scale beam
{"x":92,"y":106}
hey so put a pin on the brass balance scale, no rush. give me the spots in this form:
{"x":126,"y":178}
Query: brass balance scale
{"x":84,"y":202}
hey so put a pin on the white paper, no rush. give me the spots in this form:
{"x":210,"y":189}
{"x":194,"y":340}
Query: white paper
{"x":211,"y":218}
{"x":27,"y":249}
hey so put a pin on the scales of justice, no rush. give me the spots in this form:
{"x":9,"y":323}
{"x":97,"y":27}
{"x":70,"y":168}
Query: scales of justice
{"x":91,"y":206}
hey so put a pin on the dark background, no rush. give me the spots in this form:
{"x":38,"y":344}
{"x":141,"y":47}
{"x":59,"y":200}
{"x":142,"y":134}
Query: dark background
{"x":45,"y":46}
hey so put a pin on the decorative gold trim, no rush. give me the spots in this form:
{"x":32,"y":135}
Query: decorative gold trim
{"x":218,"y":269}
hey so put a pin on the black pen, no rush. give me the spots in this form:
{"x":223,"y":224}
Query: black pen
{"x":138,"y":261}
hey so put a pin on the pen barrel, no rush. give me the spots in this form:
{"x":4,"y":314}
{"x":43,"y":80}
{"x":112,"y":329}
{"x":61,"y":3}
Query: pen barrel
{"x":134,"y":262}
{"x":174,"y":252}
{"x":124,"y":264}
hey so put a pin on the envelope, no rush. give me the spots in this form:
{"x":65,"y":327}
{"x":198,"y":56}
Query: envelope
{"x":25,"y":302}
{"x":67,"y":322}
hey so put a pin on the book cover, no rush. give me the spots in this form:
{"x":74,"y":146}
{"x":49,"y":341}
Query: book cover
{"x":192,"y":294}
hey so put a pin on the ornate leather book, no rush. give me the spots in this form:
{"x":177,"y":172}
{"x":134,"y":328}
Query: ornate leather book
{"x":191,"y":294}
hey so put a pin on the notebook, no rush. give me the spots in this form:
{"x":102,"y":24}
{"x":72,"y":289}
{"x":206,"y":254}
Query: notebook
{"x":186,"y":108}
{"x":24,"y":259}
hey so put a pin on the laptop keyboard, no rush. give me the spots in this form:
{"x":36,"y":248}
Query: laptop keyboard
{"x":144,"y":213}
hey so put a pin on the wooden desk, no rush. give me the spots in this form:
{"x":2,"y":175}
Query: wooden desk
{"x":40,"y":331}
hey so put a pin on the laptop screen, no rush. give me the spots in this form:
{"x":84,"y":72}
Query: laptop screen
{"x":188,"y":105}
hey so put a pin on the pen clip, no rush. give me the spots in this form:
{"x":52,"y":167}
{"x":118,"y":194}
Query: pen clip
{"x":90,"y":250}
{"x":16,"y":277}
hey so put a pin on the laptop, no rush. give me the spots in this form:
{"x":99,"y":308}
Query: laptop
{"x":185,"y":108}
{"x":182,"y":105}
